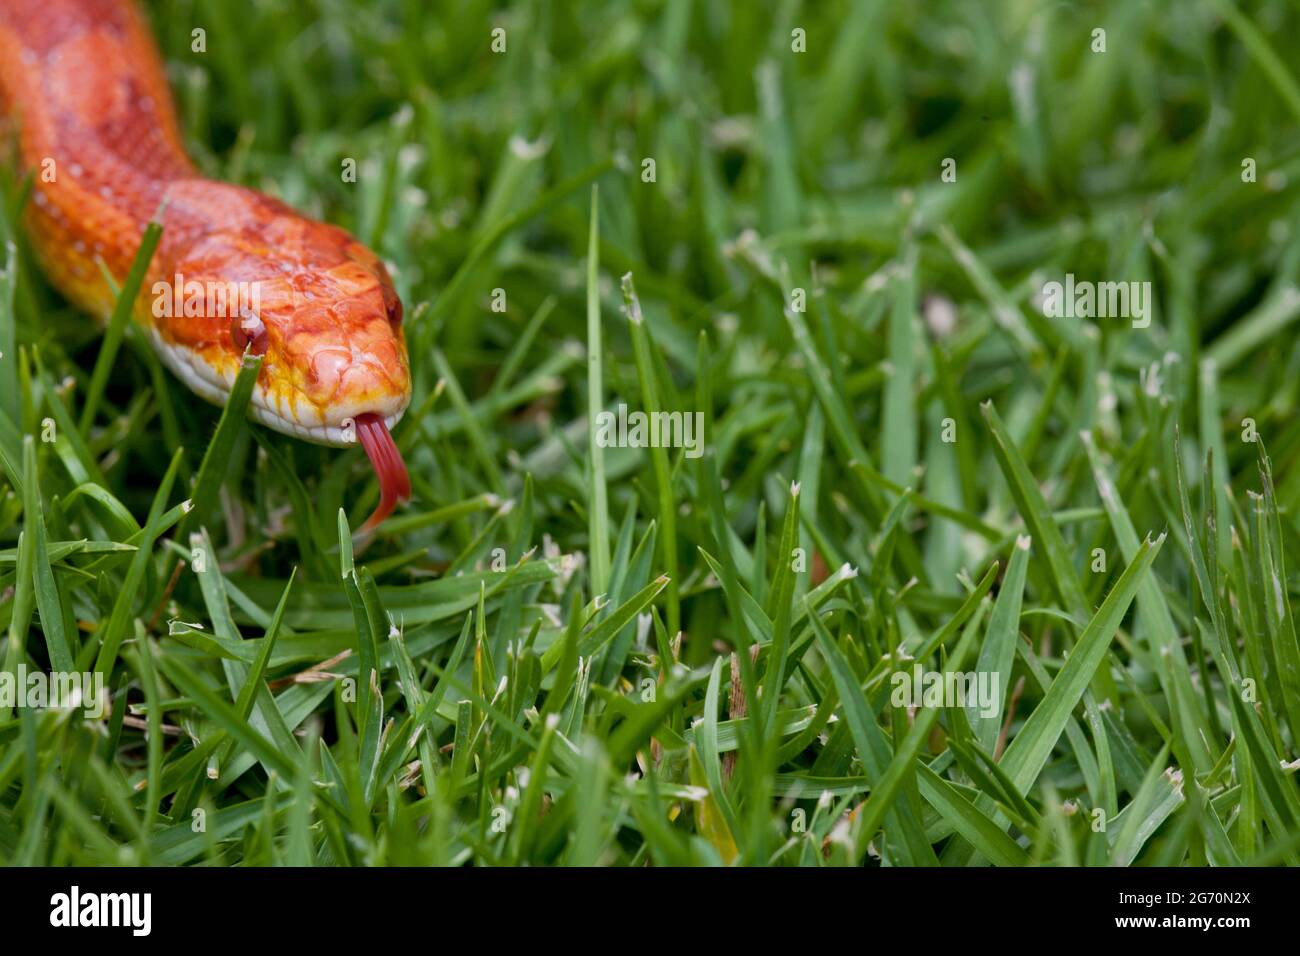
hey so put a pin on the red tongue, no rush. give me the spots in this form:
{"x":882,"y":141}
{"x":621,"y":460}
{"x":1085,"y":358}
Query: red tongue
{"x":394,"y":482}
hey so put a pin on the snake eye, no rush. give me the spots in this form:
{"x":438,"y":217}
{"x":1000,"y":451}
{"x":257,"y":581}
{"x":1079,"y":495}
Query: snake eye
{"x":394,"y":307}
{"x":392,"y":304}
{"x":249,"y":334}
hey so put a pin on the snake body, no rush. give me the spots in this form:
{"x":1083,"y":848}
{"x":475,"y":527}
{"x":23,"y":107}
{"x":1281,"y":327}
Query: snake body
{"x":235,"y":270}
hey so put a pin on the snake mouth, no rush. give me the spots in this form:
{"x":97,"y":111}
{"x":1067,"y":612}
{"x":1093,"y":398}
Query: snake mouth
{"x":372,"y":428}
{"x":390,"y":469}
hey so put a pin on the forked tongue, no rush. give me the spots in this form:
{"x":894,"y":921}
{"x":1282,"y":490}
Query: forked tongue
{"x":394,"y":482}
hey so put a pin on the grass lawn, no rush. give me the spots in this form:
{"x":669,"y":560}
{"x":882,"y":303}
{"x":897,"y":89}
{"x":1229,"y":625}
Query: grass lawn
{"x":825,"y":232}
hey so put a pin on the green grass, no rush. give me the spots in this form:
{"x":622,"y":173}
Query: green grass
{"x":561,"y":653}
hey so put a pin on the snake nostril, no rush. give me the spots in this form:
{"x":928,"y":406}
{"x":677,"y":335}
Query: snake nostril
{"x":248,"y":332}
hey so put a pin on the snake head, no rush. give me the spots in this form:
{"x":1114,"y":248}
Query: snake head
{"x":330,"y":326}
{"x":340,"y":346}
{"x":318,"y":306}
{"x":345,"y":352}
